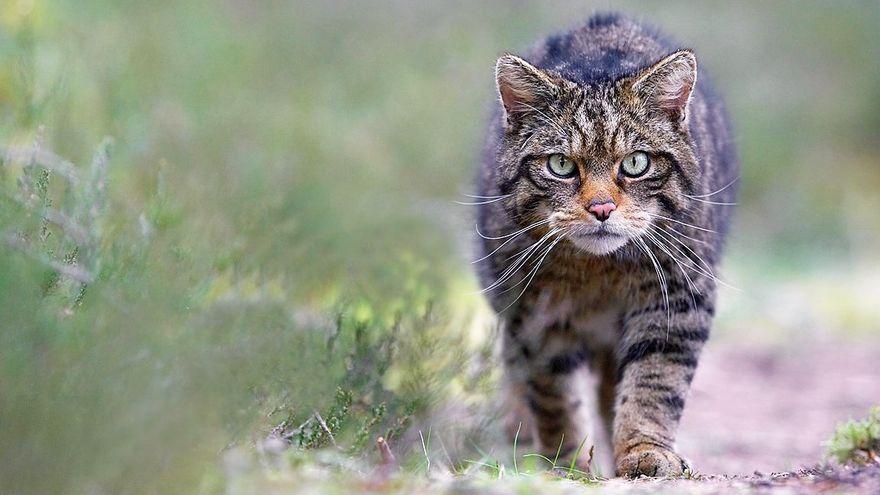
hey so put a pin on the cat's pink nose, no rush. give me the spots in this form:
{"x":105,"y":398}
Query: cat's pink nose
{"x":602,"y":210}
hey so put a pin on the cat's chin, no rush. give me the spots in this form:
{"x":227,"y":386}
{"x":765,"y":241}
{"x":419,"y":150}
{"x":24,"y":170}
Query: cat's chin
{"x":599,"y":244}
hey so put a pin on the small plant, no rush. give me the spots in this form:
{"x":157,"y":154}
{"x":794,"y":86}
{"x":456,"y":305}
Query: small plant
{"x":857,"y":442}
{"x":66,"y":238}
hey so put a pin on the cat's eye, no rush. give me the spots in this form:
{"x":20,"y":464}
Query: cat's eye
{"x":635,"y":164}
{"x":560,"y":166}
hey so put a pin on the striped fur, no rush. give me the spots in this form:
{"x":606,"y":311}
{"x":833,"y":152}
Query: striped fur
{"x":578,"y":295}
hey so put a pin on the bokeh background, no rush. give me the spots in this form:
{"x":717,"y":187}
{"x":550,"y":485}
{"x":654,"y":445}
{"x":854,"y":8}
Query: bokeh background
{"x":271,"y":248}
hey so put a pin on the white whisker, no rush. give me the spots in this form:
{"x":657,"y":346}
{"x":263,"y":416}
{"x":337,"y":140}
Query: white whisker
{"x":476,"y":203}
{"x":704,"y":270}
{"x":476,"y":196}
{"x":545,"y":235}
{"x":715,"y":192}
{"x":659,"y":243}
{"x":502,"y":245}
{"x":682,"y":234}
{"x":518,"y":263}
{"x":489,"y":238}
{"x":528,"y":140}
{"x":706,"y":201}
{"x":682,"y":223}
{"x":534,"y":271}
{"x":661,"y":278}
{"x":666,"y":235}
{"x":545,"y":118}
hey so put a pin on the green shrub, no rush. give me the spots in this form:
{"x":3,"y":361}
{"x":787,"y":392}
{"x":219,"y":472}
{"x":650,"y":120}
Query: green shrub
{"x":857,"y":442}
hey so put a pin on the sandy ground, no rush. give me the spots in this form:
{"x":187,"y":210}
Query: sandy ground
{"x":769,"y":408}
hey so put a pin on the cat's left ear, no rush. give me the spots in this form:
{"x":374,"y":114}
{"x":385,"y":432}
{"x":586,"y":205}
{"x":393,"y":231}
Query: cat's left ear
{"x":669,"y":84}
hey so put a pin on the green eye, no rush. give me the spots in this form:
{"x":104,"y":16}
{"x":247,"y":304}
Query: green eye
{"x":635,"y":164}
{"x":561,"y":166}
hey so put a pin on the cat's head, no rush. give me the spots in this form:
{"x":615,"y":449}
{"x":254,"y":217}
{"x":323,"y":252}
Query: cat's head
{"x":603,"y":162}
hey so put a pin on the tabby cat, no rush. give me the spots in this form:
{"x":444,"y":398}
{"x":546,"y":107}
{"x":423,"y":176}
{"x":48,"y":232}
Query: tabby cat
{"x":605,"y":191}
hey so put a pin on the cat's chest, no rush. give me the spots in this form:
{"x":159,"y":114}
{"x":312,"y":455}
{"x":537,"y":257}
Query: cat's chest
{"x":593,"y":283}
{"x":601,"y":328}
{"x":592,"y":295}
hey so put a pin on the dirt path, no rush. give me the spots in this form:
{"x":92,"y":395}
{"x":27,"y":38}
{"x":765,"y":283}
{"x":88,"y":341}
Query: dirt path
{"x":769,"y":408}
{"x":755,"y":423}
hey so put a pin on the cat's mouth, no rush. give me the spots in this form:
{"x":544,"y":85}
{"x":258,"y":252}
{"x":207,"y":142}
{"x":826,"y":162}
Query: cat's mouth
{"x":599,"y":240}
{"x":603,"y":233}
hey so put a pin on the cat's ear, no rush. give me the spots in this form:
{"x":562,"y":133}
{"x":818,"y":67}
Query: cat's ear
{"x":522,"y":87}
{"x":669,"y":84}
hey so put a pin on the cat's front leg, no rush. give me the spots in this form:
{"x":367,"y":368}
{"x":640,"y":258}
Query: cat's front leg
{"x":657,"y":358}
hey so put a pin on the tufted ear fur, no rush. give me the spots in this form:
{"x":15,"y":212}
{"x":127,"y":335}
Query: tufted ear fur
{"x":669,"y":84}
{"x":522,"y":87}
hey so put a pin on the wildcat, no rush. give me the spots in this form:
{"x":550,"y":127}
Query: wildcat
{"x":604,"y":199}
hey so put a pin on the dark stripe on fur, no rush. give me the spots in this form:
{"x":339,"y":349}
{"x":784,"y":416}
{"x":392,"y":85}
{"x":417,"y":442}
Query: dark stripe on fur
{"x":563,"y":364}
{"x":648,"y":347}
{"x":674,"y":402}
{"x":681,"y":305}
{"x":655,"y":387}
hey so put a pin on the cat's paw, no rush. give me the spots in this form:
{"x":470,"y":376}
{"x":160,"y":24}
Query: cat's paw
{"x":650,"y":460}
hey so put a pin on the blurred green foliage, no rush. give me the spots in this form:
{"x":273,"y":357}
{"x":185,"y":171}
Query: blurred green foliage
{"x":279,"y":242}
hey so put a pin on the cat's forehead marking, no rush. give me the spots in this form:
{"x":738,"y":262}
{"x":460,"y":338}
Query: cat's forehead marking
{"x":584,"y":129}
{"x":582,"y":122}
{"x":600,"y":122}
{"x":612,"y":126}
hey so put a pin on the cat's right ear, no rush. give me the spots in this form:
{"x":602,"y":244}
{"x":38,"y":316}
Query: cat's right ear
{"x":522,"y":87}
